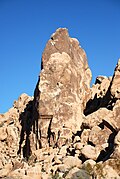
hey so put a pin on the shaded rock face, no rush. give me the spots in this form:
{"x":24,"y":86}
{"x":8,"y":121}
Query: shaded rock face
{"x":63,"y":88}
{"x":105,"y":92}
{"x":67,"y":130}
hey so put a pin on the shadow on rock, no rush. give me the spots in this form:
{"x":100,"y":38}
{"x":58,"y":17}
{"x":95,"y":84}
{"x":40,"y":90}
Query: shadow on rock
{"x":105,"y":154}
{"x":26,"y":122}
{"x":29,"y":124}
{"x":94,"y":104}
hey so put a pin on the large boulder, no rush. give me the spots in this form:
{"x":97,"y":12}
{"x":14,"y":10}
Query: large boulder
{"x":62,"y":90}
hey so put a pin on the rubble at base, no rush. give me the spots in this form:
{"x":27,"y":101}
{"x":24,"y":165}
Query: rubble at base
{"x":67,"y":130}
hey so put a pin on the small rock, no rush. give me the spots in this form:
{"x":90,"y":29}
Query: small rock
{"x":90,"y":152}
{"x":71,"y":161}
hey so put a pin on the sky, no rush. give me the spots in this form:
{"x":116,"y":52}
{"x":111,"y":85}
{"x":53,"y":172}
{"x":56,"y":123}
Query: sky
{"x":26,"y":26}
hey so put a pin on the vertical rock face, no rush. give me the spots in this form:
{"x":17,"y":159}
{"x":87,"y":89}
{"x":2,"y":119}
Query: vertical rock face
{"x":115,"y":87}
{"x":63,"y":88}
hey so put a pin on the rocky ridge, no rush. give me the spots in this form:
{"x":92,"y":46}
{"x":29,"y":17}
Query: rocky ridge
{"x":67,"y":130}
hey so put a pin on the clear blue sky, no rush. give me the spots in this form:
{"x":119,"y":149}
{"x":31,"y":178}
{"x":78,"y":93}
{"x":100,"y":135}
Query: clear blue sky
{"x":26,"y":25}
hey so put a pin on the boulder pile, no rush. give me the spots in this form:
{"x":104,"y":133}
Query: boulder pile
{"x":67,"y":129}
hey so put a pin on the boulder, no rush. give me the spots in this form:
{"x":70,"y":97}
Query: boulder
{"x":90,"y":152}
{"x":71,"y":161}
{"x":62,"y":90}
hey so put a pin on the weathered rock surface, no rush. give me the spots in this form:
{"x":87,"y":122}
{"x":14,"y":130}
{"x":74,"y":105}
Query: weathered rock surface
{"x":63,"y":88}
{"x":67,"y":130}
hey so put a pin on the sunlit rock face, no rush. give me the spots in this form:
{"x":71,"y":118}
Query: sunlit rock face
{"x":115,"y":87}
{"x":63,"y":88}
